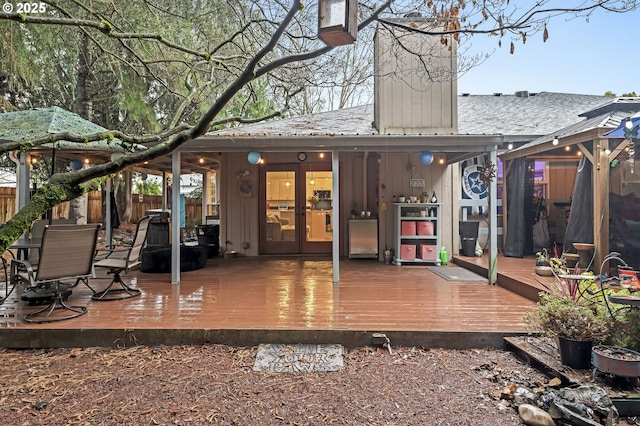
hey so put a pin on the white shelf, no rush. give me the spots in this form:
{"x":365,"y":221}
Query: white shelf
{"x":409,"y":212}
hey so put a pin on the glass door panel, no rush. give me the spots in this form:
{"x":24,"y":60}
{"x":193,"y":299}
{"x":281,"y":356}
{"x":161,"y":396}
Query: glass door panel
{"x":279,"y":210}
{"x":318,"y":185}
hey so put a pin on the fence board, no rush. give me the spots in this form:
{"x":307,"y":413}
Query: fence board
{"x":193,"y":207}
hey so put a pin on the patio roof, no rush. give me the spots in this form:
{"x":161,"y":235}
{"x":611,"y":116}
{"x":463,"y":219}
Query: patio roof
{"x":589,"y":129}
{"x":485,"y":122}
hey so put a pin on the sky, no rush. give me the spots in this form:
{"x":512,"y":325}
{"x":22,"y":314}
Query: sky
{"x":579,"y":57}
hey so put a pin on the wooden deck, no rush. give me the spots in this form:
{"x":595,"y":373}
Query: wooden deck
{"x":246,"y":301}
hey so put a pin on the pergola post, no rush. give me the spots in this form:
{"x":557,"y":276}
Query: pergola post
{"x":335,"y":245}
{"x":175,"y":218}
{"x":600,"y":201}
{"x":493,"y":222}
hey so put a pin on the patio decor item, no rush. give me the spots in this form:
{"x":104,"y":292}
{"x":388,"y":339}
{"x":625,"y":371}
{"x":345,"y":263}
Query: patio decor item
{"x":66,"y":253}
{"x":615,"y":360}
{"x":119,"y":260}
{"x":298,"y":358}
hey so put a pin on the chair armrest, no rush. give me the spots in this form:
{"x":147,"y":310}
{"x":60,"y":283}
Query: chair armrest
{"x":283,"y":221}
{"x":17,"y":266}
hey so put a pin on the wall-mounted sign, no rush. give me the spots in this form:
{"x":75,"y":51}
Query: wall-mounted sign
{"x":416,"y":183}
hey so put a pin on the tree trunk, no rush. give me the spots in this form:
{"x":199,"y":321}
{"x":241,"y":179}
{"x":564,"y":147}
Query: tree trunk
{"x":84,"y":108}
{"x":124,"y":197}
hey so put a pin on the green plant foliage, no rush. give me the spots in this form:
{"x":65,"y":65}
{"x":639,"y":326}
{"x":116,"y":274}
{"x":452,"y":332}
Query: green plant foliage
{"x":627,"y":330}
{"x":558,"y":315}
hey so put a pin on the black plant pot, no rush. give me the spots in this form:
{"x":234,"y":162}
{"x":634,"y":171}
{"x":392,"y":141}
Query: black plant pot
{"x":575,"y":353}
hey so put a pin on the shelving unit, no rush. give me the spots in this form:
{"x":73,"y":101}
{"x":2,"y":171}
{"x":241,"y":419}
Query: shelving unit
{"x":411,"y":230}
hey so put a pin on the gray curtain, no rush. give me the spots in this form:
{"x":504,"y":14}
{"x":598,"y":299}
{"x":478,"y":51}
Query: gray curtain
{"x":519,"y":238}
{"x":580,"y":226}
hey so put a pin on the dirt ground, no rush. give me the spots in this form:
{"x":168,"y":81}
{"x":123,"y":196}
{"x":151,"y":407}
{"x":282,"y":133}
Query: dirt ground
{"x":215,"y":384}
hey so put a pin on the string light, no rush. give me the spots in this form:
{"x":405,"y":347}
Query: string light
{"x":555,"y":140}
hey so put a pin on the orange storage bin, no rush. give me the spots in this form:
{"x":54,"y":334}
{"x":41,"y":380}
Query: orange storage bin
{"x":408,"y":227}
{"x":425,"y":228}
{"x":428,"y":252}
{"x":407,"y":252}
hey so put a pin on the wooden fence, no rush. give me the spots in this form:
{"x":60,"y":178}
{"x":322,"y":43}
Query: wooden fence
{"x":193,"y":207}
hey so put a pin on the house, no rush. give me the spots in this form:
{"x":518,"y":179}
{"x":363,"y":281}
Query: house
{"x":417,"y":137}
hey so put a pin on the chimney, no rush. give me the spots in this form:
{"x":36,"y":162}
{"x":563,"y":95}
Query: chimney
{"x":522,"y":94}
{"x":407,"y":98}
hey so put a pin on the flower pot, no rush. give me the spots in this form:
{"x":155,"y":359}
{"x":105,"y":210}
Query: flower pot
{"x":575,"y":353}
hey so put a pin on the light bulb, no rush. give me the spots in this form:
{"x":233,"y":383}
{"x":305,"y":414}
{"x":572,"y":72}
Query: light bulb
{"x":555,"y":140}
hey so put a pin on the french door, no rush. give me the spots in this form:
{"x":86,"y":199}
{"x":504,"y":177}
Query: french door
{"x":296,"y":215}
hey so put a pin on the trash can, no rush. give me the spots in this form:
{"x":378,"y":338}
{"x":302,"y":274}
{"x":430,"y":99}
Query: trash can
{"x":208,"y":236}
{"x":468,"y":237}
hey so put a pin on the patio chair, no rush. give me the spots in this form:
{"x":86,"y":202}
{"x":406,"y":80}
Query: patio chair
{"x":66,"y":253}
{"x":119,"y":260}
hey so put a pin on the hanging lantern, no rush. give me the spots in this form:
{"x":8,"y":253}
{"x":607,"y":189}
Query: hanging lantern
{"x":75,"y":165}
{"x":254,"y":157}
{"x":337,"y":21}
{"x":426,"y":158}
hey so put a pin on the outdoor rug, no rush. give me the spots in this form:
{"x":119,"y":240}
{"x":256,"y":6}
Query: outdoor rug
{"x":455,"y":273}
{"x":298,"y":358}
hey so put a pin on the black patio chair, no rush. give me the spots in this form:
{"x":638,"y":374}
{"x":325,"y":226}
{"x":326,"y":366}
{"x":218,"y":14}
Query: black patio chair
{"x":66,"y":253}
{"x":119,"y":260}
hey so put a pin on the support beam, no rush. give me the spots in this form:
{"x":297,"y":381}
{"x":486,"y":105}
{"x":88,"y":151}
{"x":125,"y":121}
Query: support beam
{"x":175,"y":217}
{"x":600,"y":202}
{"x":493,"y":223}
{"x":108,"y":208}
{"x":335,"y":246}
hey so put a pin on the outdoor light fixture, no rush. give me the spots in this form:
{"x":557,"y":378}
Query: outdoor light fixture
{"x":442,"y":160}
{"x":628,"y":124}
{"x":607,"y":151}
{"x":201,"y":160}
{"x":337,"y":21}
{"x":555,"y":140}
{"x":321,"y":155}
{"x":510,"y":146}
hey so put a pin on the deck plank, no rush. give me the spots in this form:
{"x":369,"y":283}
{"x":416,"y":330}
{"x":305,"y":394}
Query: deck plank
{"x":293,"y":293}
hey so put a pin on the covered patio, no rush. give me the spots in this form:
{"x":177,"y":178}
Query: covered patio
{"x":246,"y":301}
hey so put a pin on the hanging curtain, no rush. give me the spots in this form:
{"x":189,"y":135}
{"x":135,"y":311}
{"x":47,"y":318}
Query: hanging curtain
{"x":580,"y":226}
{"x":520,"y":179}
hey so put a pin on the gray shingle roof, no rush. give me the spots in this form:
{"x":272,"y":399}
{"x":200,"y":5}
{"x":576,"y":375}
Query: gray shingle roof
{"x":537,"y":114}
{"x":532,"y":116}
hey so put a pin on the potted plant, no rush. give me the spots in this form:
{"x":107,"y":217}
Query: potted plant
{"x":543,"y":263}
{"x":542,"y":258}
{"x":401,"y":198}
{"x":574,"y":321}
